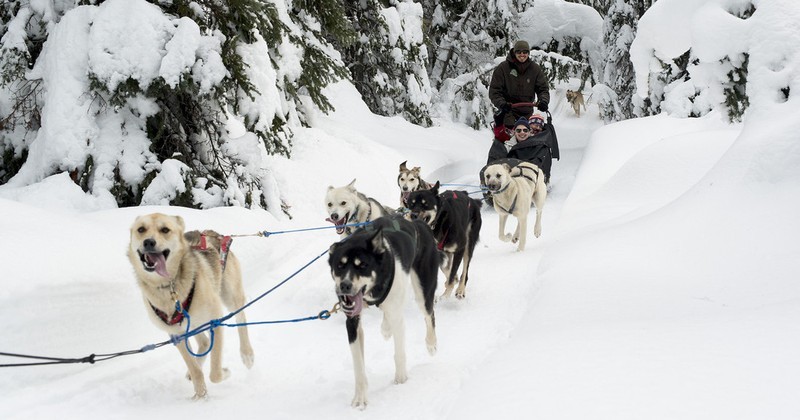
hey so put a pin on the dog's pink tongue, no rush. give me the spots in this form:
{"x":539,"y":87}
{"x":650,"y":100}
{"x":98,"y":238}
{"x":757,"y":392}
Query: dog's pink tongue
{"x":161,"y":264}
{"x":358,"y":304}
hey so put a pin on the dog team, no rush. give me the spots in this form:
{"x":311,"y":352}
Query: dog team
{"x":382,"y":254}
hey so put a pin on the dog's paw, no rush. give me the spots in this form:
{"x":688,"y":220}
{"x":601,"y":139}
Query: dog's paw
{"x":400,"y":377}
{"x":461,"y":294}
{"x":248,"y":358}
{"x":537,"y":232}
{"x":515,"y":239}
{"x":220,"y":376}
{"x":200,"y":395}
{"x":431,"y":348}
{"x":506,"y":237}
{"x":359,"y":401}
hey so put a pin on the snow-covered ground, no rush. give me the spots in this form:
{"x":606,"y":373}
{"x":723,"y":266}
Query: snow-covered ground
{"x":664,"y":286}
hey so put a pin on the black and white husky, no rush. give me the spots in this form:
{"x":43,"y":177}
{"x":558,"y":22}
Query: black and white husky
{"x":346,"y":206}
{"x":375,"y":266}
{"x":456,"y":222}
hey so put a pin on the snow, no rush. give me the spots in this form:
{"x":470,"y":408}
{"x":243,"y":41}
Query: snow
{"x":664,"y":284}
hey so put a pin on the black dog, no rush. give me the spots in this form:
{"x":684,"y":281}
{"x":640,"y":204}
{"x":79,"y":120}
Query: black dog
{"x":374,"y":266}
{"x":456,"y":222}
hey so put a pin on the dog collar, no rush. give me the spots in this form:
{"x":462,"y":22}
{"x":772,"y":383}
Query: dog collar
{"x":177,"y":316}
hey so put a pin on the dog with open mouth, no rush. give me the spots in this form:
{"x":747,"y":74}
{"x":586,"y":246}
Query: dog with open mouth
{"x":198,"y":270}
{"x":346,"y":206}
{"x":375,"y":266}
{"x":455,"y":219}
{"x":410,"y":180}
{"x":513,"y":189}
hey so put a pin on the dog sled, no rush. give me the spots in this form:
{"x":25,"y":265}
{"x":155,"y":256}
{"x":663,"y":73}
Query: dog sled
{"x":539,"y":149}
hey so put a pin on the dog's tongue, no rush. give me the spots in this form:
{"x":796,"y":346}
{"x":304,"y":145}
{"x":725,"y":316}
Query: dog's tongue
{"x":339,"y":225}
{"x":358,"y":304}
{"x":160,"y":264}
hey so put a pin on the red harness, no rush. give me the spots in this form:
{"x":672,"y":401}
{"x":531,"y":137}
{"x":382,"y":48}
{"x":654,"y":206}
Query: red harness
{"x":177,"y":316}
{"x":224,"y":247}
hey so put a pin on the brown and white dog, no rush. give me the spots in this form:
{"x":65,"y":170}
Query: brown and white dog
{"x":513,"y":190}
{"x":409,"y":180}
{"x":575,"y":98}
{"x":172,"y":266}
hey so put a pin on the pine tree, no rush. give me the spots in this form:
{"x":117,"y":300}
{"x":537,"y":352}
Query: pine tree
{"x":619,"y":31}
{"x":465,"y":38}
{"x":187,"y":135}
{"x":388,"y":60}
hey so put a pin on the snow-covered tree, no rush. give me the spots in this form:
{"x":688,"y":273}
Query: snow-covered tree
{"x":387,"y":61}
{"x":689,"y":82}
{"x":619,"y":31}
{"x":466,"y":38}
{"x":203,"y":94}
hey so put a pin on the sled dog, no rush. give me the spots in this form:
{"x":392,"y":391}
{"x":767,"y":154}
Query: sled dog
{"x":455,"y":219}
{"x":197,"y":270}
{"x":575,"y":98}
{"x":513,"y":190}
{"x":347,"y":206}
{"x":375,"y":266}
{"x":409,"y":180}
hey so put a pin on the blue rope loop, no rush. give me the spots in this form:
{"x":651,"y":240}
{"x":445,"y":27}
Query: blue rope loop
{"x":175,"y":339}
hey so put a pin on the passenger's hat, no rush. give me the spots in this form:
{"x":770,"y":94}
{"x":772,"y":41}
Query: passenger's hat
{"x":522,"y":121}
{"x":521,"y":46}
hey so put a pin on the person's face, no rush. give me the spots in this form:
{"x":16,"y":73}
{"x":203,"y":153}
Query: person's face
{"x":522,"y":55}
{"x":521,"y":132}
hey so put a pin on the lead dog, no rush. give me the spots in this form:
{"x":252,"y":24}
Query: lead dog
{"x":512,"y":192}
{"x":170,"y":266}
{"x":575,"y":98}
{"x":347,"y":206}
{"x":375,"y":266}
{"x":409,"y":180}
{"x":455,"y":219}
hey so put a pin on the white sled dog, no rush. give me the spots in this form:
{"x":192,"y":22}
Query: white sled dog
{"x":196,"y":269}
{"x":346,"y":206}
{"x":512,"y":191}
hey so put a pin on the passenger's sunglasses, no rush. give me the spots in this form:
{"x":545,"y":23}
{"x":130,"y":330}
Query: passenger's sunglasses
{"x":522,"y":130}
{"x":522,"y":51}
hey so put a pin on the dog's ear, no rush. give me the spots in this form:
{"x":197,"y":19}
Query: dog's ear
{"x":330,"y":187}
{"x":435,"y":187}
{"x":351,"y":184}
{"x":403,"y":167}
{"x":377,"y":242}
{"x":179,"y":221}
{"x":507,"y":167}
{"x":416,"y":169}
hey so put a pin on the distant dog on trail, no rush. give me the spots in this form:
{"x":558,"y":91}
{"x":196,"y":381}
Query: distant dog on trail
{"x":575,"y":98}
{"x":409,"y":180}
{"x":375,"y":266}
{"x":455,"y":219}
{"x":512,"y":191}
{"x":172,"y":266}
{"x":347,"y":206}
